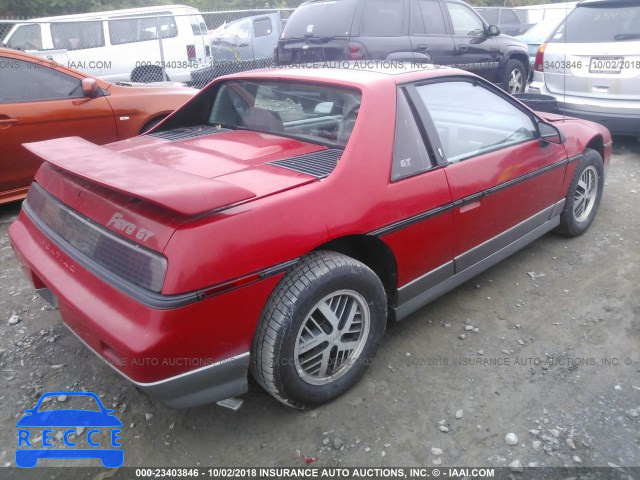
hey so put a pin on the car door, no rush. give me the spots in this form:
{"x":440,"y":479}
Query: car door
{"x":430,"y":39}
{"x":38,"y":102}
{"x":422,"y":237}
{"x":475,"y":51}
{"x":505,"y":182}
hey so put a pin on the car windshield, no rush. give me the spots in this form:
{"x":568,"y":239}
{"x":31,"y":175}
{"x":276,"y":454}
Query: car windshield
{"x":600,"y":24}
{"x":310,"y":112}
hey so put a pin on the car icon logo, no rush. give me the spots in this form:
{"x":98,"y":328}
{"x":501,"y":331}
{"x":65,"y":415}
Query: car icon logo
{"x":98,"y":421}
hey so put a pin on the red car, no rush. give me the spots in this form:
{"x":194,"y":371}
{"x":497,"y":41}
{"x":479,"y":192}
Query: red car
{"x":246,"y":233}
{"x":40,"y":100}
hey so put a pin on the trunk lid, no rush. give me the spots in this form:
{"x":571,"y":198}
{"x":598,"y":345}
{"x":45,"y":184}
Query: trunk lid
{"x":593,"y":70}
{"x":151,"y":184}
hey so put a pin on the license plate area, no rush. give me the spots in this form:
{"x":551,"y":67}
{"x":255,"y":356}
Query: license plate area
{"x":606,"y":64}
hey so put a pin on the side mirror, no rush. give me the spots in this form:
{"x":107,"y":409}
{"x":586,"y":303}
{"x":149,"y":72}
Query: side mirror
{"x":550,"y":133}
{"x":493,"y":31}
{"x":90,"y":87}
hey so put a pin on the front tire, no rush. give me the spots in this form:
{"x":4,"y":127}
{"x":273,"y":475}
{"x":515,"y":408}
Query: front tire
{"x":514,"y":79}
{"x":320,"y":330}
{"x":584,"y":195}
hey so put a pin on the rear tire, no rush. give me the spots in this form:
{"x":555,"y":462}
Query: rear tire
{"x":584,"y":195}
{"x":320,"y":330}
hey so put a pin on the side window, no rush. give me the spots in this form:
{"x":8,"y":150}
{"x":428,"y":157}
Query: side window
{"x":426,"y":18}
{"x":262,"y":27}
{"x":26,"y":37}
{"x":77,"y":35}
{"x":465,"y":21}
{"x":26,"y":82}
{"x":132,"y":30}
{"x":382,"y":18}
{"x":471,"y":120}
{"x":410,"y":155}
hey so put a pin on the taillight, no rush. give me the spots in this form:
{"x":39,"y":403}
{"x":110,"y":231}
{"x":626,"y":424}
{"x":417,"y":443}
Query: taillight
{"x":356,"y":51}
{"x":539,"y":65}
{"x":191,"y":52}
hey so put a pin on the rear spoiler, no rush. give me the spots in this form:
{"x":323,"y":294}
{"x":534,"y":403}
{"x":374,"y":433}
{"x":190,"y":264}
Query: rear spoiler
{"x":178,"y":191}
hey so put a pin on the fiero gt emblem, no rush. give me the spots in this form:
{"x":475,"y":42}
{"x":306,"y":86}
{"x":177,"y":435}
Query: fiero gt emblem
{"x":118,"y":222}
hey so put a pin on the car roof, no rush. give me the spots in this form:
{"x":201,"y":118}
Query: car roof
{"x":608,"y":3}
{"x":118,"y":12}
{"x":354,"y":73}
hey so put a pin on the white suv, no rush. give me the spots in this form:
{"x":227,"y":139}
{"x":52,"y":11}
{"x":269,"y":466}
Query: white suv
{"x":591,"y":64}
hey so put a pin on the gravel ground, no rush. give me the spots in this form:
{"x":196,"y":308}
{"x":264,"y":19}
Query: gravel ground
{"x":537,"y":360}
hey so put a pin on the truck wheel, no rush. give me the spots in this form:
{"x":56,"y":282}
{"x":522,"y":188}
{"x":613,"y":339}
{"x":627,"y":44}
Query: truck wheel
{"x":514,"y":78}
{"x":319,"y":330}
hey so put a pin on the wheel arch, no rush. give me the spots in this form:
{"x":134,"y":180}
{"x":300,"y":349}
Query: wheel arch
{"x":521,"y":57}
{"x":597,"y":144}
{"x":375,"y":254}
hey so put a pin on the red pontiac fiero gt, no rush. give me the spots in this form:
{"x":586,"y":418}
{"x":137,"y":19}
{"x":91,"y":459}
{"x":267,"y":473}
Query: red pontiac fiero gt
{"x":275,"y":222}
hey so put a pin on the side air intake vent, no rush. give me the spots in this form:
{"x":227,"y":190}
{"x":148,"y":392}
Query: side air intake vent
{"x":187,"y":132}
{"x":318,"y":164}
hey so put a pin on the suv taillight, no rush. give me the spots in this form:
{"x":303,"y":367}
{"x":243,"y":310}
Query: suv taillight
{"x":356,"y":51}
{"x":191,"y":52}
{"x":539,"y":65}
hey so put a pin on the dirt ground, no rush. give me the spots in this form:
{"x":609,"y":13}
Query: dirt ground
{"x":555,"y":360}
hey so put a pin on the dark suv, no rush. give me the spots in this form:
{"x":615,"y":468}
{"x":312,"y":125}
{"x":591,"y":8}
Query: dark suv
{"x":442,"y":32}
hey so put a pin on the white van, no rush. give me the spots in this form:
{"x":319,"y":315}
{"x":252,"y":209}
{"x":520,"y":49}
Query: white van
{"x":148,"y":44}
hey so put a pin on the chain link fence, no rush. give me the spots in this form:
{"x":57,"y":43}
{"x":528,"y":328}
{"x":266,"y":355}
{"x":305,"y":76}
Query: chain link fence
{"x":153,"y":44}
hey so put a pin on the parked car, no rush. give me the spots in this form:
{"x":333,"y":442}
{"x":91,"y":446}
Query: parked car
{"x":591,"y":64}
{"x":243,"y":44}
{"x":536,"y":35}
{"x":512,"y":21}
{"x":40,"y":100}
{"x":122,"y":45}
{"x":311,"y":230}
{"x":442,"y":32}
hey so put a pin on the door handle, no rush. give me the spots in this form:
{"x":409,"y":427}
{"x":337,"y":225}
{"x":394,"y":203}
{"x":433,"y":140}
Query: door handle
{"x":422,"y":47}
{"x":7,"y":122}
{"x":464,"y":48}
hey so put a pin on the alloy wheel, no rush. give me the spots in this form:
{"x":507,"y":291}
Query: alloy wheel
{"x":332,"y":337}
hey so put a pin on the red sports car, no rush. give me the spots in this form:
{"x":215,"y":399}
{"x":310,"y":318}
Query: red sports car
{"x":247,"y":233}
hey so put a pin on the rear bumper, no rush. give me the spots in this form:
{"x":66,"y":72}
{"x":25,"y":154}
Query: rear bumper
{"x":620,"y":117}
{"x":617,"y":123}
{"x":183,"y":357}
{"x":224,"y":379}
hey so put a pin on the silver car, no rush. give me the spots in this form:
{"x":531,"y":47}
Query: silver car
{"x":591,"y":64}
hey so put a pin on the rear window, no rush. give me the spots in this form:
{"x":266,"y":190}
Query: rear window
{"x":321,"y":19}
{"x":599,"y":24}
{"x":262,"y":27}
{"x":77,"y":35}
{"x":314,"y":113}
